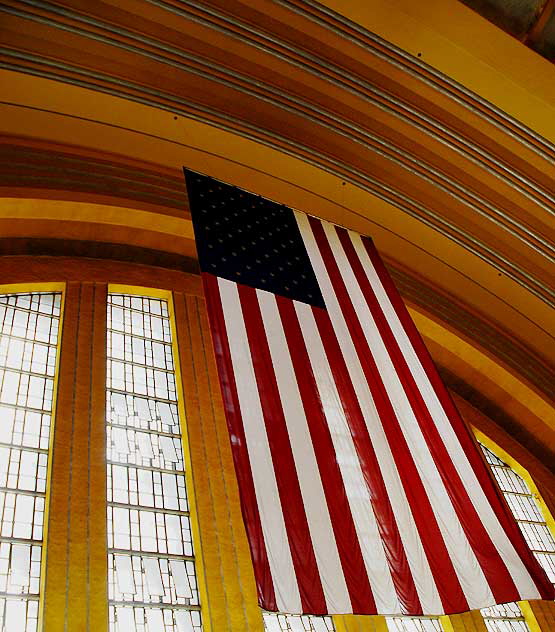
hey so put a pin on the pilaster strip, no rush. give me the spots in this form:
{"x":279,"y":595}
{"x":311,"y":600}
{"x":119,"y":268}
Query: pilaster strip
{"x":466,"y":622}
{"x":539,"y":615}
{"x":230,"y":600}
{"x":55,"y":547}
{"x":76,"y":540}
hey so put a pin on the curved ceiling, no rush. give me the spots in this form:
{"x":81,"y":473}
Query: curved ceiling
{"x":530,"y":21}
{"x":389,"y":120}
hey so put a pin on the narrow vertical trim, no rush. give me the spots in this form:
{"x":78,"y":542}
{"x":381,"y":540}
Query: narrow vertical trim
{"x":55,"y":537}
{"x":190,"y":475}
{"x":89,"y":424}
{"x":97,"y":562}
{"x":70,"y":473}
{"x":53,"y":420}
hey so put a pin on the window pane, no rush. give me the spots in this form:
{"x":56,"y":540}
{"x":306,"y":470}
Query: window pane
{"x":508,"y":617}
{"x":28,"y":339}
{"x":151,"y":570}
{"x":413,"y":624}
{"x":297,"y":623}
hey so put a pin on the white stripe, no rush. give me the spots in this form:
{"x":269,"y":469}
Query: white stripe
{"x":267,"y":496}
{"x":418,"y":562}
{"x":310,"y":482}
{"x":356,"y":489}
{"x":520,"y":575}
{"x":471,"y":576}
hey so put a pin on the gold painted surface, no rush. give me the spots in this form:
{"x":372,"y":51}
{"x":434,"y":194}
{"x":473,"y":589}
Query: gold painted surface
{"x":64,"y":210}
{"x":309,"y":109}
{"x":75,"y":593}
{"x":466,"y":622}
{"x":539,"y":615}
{"x":97,"y":562}
{"x":489,"y":62}
{"x":56,"y":545}
{"x":231,"y":592}
{"x":46,"y":287}
{"x":16,"y":288}
{"x":135,"y":130}
{"x":359,"y":623}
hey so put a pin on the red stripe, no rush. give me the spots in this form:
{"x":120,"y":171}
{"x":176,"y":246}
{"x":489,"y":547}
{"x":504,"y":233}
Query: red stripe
{"x":445,"y":577}
{"x":292,"y":505}
{"x":463,"y":432}
{"x":350,"y":554}
{"x":495,"y":570}
{"x":249,"y":506}
{"x":387,"y":525}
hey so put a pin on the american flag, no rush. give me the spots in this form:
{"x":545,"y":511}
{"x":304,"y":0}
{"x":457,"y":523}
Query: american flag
{"x":362,"y":489}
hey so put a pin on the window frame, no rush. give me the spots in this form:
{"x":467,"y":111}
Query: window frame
{"x":58,"y":287}
{"x":167,"y":295}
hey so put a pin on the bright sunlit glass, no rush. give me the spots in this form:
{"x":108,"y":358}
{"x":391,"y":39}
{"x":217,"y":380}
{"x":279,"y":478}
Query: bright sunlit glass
{"x":28,"y":338}
{"x":297,"y":623}
{"x":508,"y":617}
{"x":413,"y":624}
{"x":151,"y":572}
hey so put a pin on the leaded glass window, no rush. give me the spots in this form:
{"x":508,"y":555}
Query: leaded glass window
{"x":506,"y":617}
{"x":413,"y":624}
{"x":28,"y":345}
{"x":509,"y":617}
{"x":297,"y":623}
{"x":151,"y":569}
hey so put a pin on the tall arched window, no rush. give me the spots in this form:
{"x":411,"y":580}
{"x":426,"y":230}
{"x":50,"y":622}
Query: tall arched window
{"x":29,"y":326}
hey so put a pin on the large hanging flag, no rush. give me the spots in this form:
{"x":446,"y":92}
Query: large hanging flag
{"x":362,"y":489}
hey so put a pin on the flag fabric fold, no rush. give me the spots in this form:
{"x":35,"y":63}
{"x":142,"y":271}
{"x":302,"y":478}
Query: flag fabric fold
{"x":362,"y":489}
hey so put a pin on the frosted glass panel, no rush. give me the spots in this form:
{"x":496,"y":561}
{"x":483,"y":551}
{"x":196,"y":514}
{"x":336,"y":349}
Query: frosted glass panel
{"x":508,"y":617}
{"x":28,"y":345}
{"x":151,"y":570}
{"x":296,"y":623}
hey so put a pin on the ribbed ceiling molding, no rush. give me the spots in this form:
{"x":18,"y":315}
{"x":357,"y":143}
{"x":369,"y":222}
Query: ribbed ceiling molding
{"x":151,"y":67}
